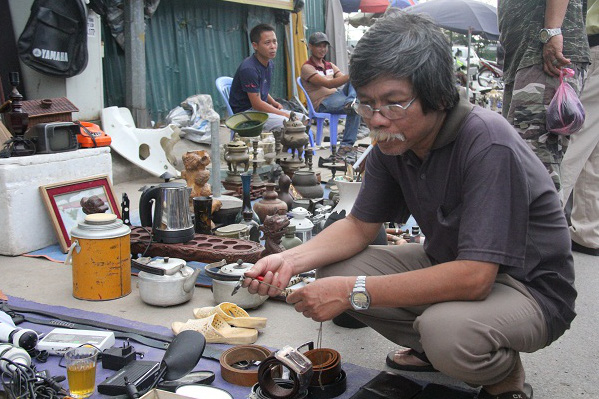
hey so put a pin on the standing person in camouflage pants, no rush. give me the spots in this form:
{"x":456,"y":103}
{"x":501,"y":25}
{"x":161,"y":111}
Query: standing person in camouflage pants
{"x":540,"y":37}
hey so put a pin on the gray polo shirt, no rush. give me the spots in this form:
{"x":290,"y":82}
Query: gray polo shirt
{"x":481,"y":194}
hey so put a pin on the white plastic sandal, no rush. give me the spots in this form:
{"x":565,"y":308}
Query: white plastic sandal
{"x":217,"y":331}
{"x":232,"y":314}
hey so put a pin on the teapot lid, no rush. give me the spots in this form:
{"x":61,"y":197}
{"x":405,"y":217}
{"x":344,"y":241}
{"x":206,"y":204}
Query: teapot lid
{"x":236,"y":269}
{"x":300,"y":212}
{"x":170,"y":265}
{"x":236,"y":143}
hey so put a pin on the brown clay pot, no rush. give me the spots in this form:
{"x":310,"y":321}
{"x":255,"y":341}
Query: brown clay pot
{"x":270,"y":203}
{"x":307,"y":185}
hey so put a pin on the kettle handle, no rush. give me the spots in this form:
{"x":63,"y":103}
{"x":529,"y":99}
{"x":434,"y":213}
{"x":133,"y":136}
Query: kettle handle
{"x":147,"y":268}
{"x":145,"y":206}
{"x":69,"y":259}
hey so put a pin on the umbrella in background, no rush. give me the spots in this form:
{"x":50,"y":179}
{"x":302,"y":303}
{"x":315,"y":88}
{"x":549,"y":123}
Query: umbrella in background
{"x":462,"y":16}
{"x":374,"y":6}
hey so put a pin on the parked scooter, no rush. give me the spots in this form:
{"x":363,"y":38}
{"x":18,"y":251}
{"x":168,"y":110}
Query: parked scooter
{"x":490,"y":75}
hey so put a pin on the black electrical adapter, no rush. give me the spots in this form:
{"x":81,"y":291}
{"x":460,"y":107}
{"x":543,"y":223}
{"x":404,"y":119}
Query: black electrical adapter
{"x":117,"y":358}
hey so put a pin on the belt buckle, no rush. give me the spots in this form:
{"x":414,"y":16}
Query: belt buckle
{"x":294,"y":360}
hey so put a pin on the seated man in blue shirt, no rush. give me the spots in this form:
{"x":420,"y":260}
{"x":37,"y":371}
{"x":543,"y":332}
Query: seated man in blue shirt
{"x":251,"y":83}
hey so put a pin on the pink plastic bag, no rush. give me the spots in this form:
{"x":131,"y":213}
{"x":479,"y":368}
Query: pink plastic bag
{"x":565,"y":114}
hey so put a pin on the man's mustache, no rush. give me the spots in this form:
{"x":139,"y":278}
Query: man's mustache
{"x":379,"y":136}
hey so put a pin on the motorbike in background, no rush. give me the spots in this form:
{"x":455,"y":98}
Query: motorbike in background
{"x":490,"y":74}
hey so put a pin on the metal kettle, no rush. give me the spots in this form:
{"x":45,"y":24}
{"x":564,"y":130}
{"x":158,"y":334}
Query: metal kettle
{"x":171,"y":222}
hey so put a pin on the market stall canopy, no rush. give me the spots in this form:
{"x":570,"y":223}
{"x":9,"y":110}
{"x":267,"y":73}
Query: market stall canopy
{"x":374,"y":6}
{"x":461,"y":16}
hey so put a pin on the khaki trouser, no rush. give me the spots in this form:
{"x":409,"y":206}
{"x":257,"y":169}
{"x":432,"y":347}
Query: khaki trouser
{"x":580,"y":167}
{"x":474,"y":341}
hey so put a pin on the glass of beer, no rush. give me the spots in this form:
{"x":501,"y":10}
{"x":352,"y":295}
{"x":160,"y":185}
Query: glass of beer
{"x":81,"y":370}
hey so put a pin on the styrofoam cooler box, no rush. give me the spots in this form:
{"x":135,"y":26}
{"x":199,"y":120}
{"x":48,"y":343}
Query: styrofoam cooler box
{"x":24,"y":219}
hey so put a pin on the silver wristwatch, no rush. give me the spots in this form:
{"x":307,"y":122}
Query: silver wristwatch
{"x":359,"y":297}
{"x":546,"y":34}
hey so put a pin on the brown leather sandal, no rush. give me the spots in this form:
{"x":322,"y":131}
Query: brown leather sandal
{"x":408,"y":359}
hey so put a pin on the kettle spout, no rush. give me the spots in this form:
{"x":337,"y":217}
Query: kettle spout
{"x":190,"y":281}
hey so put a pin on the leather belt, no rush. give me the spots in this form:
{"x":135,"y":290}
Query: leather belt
{"x":258,"y":394}
{"x":326,"y":364}
{"x":331,"y":390}
{"x":242,"y":353}
{"x":300,"y":373}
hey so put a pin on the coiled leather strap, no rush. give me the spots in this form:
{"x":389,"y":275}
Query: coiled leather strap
{"x":326,"y":364}
{"x":242,"y":353}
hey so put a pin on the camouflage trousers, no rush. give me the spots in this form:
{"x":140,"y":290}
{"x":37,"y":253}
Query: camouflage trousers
{"x":524,"y":104}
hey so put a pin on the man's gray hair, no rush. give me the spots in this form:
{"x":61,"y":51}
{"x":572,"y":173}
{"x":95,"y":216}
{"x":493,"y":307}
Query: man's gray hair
{"x":412,"y":47}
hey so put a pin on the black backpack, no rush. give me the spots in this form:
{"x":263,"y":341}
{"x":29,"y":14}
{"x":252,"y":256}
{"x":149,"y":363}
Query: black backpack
{"x":54,"y":41}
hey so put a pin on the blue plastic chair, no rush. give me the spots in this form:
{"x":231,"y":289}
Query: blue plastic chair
{"x":223,"y":84}
{"x":320,"y":117}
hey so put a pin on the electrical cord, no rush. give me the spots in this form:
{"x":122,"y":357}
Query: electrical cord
{"x":25,"y":382}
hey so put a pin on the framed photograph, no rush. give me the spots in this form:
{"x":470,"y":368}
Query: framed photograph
{"x":64,"y":203}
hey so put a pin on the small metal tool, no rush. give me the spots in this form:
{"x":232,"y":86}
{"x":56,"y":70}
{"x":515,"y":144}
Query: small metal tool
{"x":260,"y":280}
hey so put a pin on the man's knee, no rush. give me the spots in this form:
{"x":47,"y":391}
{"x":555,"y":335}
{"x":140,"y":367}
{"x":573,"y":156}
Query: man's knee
{"x":454,"y":344}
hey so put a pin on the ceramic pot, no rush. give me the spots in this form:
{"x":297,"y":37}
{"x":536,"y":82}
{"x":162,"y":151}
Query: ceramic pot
{"x":306,"y":183}
{"x":270,"y":204}
{"x":267,"y":144}
{"x":283,"y":191}
{"x":227,"y":214}
{"x":290,"y":240}
{"x":237,"y":230}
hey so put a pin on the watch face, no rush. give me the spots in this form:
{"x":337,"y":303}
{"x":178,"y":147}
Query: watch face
{"x":360,"y":300}
{"x":544,"y":36}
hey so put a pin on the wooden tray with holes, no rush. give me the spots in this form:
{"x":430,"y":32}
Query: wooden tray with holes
{"x":203,"y":248}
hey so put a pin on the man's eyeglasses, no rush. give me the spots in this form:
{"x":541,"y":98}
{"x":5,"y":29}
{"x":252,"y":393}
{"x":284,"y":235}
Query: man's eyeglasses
{"x":390,"y":111}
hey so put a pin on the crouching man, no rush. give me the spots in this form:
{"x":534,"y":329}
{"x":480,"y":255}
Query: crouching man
{"x":495,"y":275}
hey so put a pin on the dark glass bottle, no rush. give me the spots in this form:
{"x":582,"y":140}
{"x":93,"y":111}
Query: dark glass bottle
{"x":247,"y":213}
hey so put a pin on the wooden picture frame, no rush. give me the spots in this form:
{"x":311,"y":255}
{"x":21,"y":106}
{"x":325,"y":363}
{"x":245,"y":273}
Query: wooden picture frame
{"x":62,"y":201}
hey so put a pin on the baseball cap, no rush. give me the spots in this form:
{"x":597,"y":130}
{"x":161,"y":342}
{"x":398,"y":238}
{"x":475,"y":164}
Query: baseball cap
{"x":318,"y":37}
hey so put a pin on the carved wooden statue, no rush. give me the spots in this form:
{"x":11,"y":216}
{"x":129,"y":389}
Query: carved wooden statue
{"x":196,"y":175}
{"x":93,"y":204}
{"x":274,"y":229}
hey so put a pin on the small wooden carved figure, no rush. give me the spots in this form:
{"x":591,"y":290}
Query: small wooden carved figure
{"x":196,"y":175}
{"x":93,"y":204}
{"x":274,"y":229}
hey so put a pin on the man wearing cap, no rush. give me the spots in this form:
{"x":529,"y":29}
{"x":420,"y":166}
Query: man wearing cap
{"x":251,"y":83}
{"x":329,"y":88}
